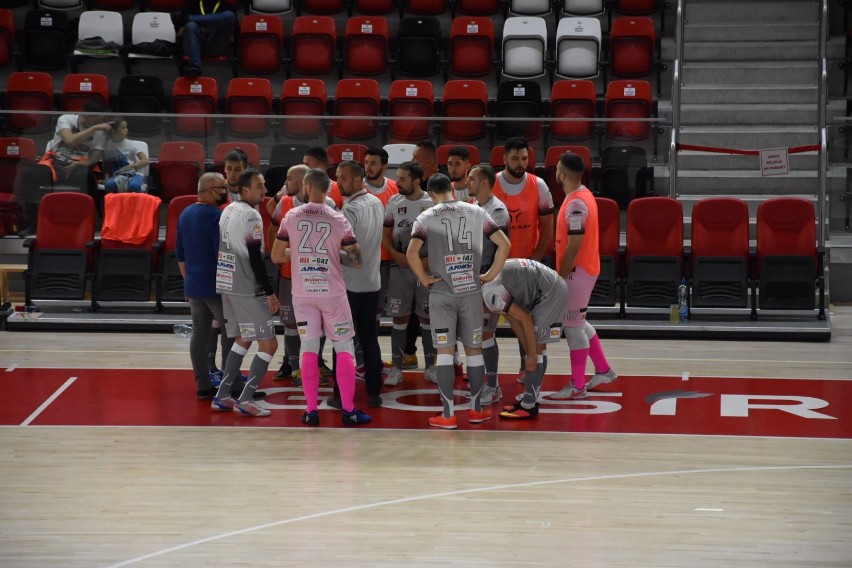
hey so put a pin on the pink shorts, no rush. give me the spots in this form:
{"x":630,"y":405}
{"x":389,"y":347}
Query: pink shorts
{"x":313,"y":315}
{"x":580,"y":286}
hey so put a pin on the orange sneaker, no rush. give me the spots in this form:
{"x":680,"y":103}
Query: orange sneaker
{"x":479,"y":417}
{"x":438,"y":421}
{"x":518,"y":412}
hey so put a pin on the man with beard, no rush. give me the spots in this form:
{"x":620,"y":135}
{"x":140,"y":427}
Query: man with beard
{"x":458,"y":169}
{"x":236,"y":161}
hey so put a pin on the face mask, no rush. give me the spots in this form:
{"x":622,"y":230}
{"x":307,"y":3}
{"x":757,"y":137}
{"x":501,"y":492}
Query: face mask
{"x":222,"y":198}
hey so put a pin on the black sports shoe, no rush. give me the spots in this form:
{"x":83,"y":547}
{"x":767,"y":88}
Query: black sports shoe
{"x":334,"y":402}
{"x":374,"y":401}
{"x":285,"y":370}
{"x":205,"y":394}
{"x":311,"y":418}
{"x":518,"y":412}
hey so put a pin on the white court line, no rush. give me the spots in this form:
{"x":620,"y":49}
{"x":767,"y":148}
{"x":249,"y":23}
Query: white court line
{"x":366,"y":506}
{"x":47,"y":402}
{"x":685,"y":376}
{"x":11,"y":368}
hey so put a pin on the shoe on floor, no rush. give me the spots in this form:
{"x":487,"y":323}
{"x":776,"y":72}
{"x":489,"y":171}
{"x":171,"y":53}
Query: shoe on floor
{"x":205,"y":394}
{"x":284,"y":371}
{"x":570,"y":393}
{"x":216,"y":378}
{"x":410,"y":361}
{"x":251,"y":409}
{"x":489,"y":395}
{"x":297,"y":379}
{"x":374,"y":401}
{"x":311,"y":418}
{"x":360,"y":373}
{"x":518,"y":412}
{"x":431,"y":374}
{"x":356,"y":418}
{"x":334,"y":402}
{"x":258,"y":395}
{"x":479,"y":417}
{"x":222,"y":404}
{"x":394,"y":377}
{"x":386,"y":368}
{"x":601,"y":379}
{"x":438,"y":421}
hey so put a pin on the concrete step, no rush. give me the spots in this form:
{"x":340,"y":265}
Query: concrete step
{"x":748,"y":94}
{"x":757,"y":50}
{"x":736,"y":31}
{"x":745,"y":182}
{"x":712,"y":161}
{"x":788,"y":72}
{"x":749,"y":137}
{"x":697,"y":114}
{"x":728,"y":12}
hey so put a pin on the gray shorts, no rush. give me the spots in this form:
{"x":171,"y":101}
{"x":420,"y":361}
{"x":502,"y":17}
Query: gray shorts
{"x":285,"y":298}
{"x":405,"y":291}
{"x":548,"y":314}
{"x":456,"y":318}
{"x":247,"y":317}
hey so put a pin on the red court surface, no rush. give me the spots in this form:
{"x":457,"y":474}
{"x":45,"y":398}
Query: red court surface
{"x":632,"y":404}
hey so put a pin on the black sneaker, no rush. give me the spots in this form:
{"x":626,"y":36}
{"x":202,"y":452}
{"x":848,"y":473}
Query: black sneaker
{"x":311,"y":418}
{"x":285,"y":370}
{"x":334,"y":402}
{"x":374,"y":401}
{"x":205,"y":394}
{"x":518,"y":412}
{"x":356,"y":418}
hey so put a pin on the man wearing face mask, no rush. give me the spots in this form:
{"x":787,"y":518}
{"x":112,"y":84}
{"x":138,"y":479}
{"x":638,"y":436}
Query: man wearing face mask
{"x":197,"y":250}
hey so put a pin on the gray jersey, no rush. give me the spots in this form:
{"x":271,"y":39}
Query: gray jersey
{"x":523,"y":282}
{"x":365,"y":213}
{"x":500,"y":215}
{"x":454,"y":232}
{"x":239,"y":225}
{"x":400,"y":214}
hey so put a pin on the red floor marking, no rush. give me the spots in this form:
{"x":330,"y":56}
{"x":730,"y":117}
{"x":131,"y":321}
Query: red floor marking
{"x":652,"y":405}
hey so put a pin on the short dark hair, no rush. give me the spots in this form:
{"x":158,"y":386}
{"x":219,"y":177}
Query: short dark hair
{"x":459,"y":152}
{"x":353,"y":166}
{"x":487,"y":172}
{"x":237,"y":155}
{"x":439,"y":183}
{"x":428,"y":145}
{"x":318,"y":178}
{"x":380,"y":152}
{"x":572,"y":162}
{"x":318,"y":153}
{"x":412,"y":168}
{"x":516,"y":143}
{"x":246,"y":177}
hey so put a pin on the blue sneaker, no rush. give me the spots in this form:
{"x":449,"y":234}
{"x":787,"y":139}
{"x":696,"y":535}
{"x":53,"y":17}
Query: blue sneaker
{"x":356,"y":418}
{"x":216,"y":378}
{"x":311,"y":418}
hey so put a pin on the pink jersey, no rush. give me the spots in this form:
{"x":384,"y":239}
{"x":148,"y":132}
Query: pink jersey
{"x":316,"y":232}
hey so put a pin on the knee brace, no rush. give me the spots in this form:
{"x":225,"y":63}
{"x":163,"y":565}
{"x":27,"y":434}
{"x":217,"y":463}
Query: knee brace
{"x":311,"y":346}
{"x":345,"y":346}
{"x":589,"y":330}
{"x":577,"y":338}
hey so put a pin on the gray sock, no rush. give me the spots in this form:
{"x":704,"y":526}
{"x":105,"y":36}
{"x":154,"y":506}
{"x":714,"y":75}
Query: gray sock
{"x":231,"y":373}
{"x":532,"y":386}
{"x":398,"y":338}
{"x":256,"y":373}
{"x":446,"y":381}
{"x":491,"y":355}
{"x":292,"y":345}
{"x":476,"y":376}
{"x":428,"y":346}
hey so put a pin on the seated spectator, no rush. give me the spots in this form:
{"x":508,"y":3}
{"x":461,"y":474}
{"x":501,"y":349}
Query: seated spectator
{"x":126,"y":160}
{"x":79,"y":141}
{"x":206,"y":27}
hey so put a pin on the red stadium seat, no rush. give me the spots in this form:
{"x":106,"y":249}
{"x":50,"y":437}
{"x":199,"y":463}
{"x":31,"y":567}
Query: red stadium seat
{"x":170,"y":283}
{"x":312,"y":42}
{"x":636,"y":7}
{"x":605,"y":292}
{"x":789,"y":266}
{"x":325,"y":7}
{"x":303,"y":97}
{"x":464,"y":99}
{"x":14,"y":152}
{"x":631,"y":47}
{"x":251,"y":97}
{"x":478,"y":7}
{"x":177,"y":169}
{"x":410,"y":99}
{"x":575,"y":100}
{"x":260,"y":44}
{"x":628,"y":100}
{"x":59,"y":260}
{"x":80,"y":88}
{"x":374,"y":7}
{"x":340,"y":152}
{"x":7,"y":37}
{"x":250,"y":148}
{"x":720,"y":255}
{"x":194,"y":96}
{"x":29,"y":90}
{"x":444,"y":153}
{"x":550,"y":161}
{"x":356,"y":98}
{"x":366,"y":45}
{"x":472,"y":46}
{"x":654,"y":252}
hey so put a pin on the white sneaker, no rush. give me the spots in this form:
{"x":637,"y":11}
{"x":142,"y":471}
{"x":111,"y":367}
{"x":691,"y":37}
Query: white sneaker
{"x":601,"y":379}
{"x":570,"y":393}
{"x":491,"y":395}
{"x":431,"y":374}
{"x":394,"y":377}
{"x":360,"y":373}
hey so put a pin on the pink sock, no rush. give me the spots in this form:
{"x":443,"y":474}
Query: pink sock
{"x":578,"y":367}
{"x":310,"y":379}
{"x":345,"y":372}
{"x":596,"y":354}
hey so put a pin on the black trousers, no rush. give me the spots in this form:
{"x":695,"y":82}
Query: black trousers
{"x":363,"y":306}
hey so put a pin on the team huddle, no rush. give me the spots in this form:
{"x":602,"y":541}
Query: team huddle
{"x":349,"y":250}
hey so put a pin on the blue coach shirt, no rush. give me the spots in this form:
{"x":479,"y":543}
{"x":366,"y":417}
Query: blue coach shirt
{"x":198,"y":247}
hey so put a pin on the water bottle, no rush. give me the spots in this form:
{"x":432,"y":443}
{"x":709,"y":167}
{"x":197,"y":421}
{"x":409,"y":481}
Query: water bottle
{"x":183,"y":330}
{"x":682,"y":302}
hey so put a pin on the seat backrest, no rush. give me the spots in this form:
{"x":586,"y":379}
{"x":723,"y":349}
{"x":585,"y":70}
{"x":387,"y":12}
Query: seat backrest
{"x":574,"y":99}
{"x":194,"y":96}
{"x":271,"y":6}
{"x":101,"y":23}
{"x":341,"y":152}
{"x":655,"y":227}
{"x":80,"y":88}
{"x":374,"y":7}
{"x":7,"y":37}
{"x":444,"y":153}
{"x":464,"y":99}
{"x":471,"y":46}
{"x":250,"y":148}
{"x":287,"y":154}
{"x":413,"y":98}
{"x":628,"y":99}
{"x":66,"y":221}
{"x":17,"y":149}
{"x":524,"y":47}
{"x":636,"y":7}
{"x":303,"y":97}
{"x":45,"y":39}
{"x":356,"y":98}
{"x":366,"y":40}
{"x":313,"y":44}
{"x":583,"y":7}
{"x":786,"y":226}
{"x":260,"y":44}
{"x":182,"y":152}
{"x":29,"y":90}
{"x":329,"y":7}
{"x":631,"y":46}
{"x":151,"y":26}
{"x":176,"y":207}
{"x":478,"y":7}
{"x":609,"y":226}
{"x":720,"y":227}
{"x":426,"y":7}
{"x":578,"y":47}
{"x":418,"y":46}
{"x":398,"y":153}
{"x":518,"y":100}
{"x":529,"y":7}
